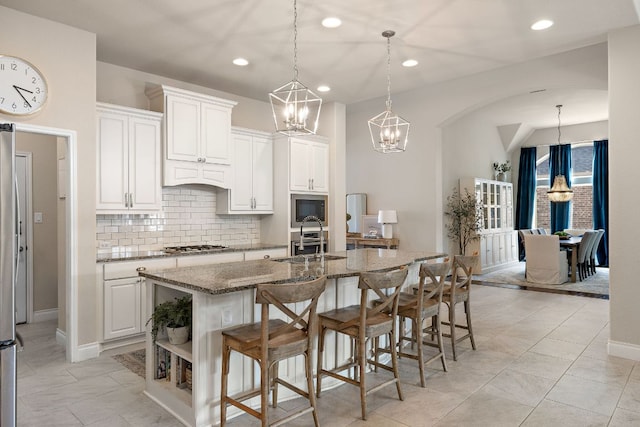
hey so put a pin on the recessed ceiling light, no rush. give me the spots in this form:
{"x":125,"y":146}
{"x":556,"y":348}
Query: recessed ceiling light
{"x":542,"y":24}
{"x":241,"y":62}
{"x":323,"y":88}
{"x":410,"y":63}
{"x":331,"y":22}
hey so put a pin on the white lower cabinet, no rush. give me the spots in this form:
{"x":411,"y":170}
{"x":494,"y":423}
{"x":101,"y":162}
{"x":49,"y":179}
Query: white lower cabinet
{"x":123,"y":293}
{"x":192,"y":260}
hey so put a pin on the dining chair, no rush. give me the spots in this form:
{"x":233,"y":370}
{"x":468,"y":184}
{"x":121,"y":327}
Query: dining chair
{"x":272,"y":340}
{"x":584,"y":251}
{"x":546,"y":263}
{"x":361,"y":323}
{"x":458,"y":290}
{"x":594,"y":251}
{"x":424,"y":304}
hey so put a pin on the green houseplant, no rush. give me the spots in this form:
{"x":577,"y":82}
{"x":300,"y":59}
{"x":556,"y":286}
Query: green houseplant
{"x":172,"y":315}
{"x":465,"y":218}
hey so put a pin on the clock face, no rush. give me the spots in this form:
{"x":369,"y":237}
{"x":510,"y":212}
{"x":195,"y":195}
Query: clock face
{"x":23,"y":89}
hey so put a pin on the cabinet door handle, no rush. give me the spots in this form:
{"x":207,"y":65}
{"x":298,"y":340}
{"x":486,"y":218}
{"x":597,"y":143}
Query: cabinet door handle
{"x":204,"y":160}
{"x":126,"y":200}
{"x":309,"y":184}
{"x":139,"y":269}
{"x":130,"y":200}
{"x":313,"y":184}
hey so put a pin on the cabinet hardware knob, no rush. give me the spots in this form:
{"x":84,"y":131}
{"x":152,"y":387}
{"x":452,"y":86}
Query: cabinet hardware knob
{"x":267,"y":256}
{"x":141,"y":269}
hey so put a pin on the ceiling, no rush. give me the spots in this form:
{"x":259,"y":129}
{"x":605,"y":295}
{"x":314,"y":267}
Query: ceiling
{"x":196,"y":40}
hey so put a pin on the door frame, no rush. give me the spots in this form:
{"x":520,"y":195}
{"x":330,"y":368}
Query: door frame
{"x":72,"y":232}
{"x":28,"y":215}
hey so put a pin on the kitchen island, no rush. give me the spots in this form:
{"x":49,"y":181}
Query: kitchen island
{"x":222,"y":297}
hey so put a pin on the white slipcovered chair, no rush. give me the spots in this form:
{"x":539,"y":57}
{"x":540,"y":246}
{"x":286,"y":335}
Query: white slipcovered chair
{"x":546,"y":263}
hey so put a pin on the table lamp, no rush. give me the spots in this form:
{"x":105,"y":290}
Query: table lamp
{"x":386,"y":218}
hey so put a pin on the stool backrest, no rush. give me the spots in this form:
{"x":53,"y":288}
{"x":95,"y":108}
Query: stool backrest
{"x":279,"y":294}
{"x":462,"y":272}
{"x":432,"y":278}
{"x":379,"y":283}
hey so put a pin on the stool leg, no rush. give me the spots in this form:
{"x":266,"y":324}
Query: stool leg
{"x":435,"y":320}
{"x":394,"y":362}
{"x":361,"y":368}
{"x":264,"y":392}
{"x":274,"y":385}
{"x":467,"y":310}
{"x":321,"y":331}
{"x":311,"y":392}
{"x":225,"y":374}
{"x":419,"y":338}
{"x":452,"y":327}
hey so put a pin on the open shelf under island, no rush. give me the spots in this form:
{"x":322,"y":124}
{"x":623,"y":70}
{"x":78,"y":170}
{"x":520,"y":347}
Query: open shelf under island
{"x":222,"y":297}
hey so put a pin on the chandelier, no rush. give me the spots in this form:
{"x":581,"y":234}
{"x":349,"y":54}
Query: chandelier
{"x":296,"y":108}
{"x":389,"y":132}
{"x":560,"y":191}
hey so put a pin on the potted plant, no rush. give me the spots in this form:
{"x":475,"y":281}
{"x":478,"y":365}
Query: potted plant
{"x":501,"y":170}
{"x":465,"y":218}
{"x":348,"y":219}
{"x":175,"y":316}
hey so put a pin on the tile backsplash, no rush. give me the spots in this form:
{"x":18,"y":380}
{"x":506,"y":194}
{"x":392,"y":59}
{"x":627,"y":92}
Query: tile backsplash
{"x":188,"y":217}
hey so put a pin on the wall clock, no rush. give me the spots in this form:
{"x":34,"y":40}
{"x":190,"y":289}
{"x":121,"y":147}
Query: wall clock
{"x":23,"y":88}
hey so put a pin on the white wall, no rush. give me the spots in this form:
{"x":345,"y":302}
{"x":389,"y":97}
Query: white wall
{"x":67,"y":57}
{"x":624,"y":175}
{"x":416,"y":182}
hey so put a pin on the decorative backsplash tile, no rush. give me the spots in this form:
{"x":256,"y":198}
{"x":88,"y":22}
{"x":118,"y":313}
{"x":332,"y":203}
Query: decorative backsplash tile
{"x":188,"y":217}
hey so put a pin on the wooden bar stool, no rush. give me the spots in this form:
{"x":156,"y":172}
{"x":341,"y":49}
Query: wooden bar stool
{"x":361,"y":323}
{"x":424,"y":304}
{"x":272,"y":340}
{"x":458,"y":291}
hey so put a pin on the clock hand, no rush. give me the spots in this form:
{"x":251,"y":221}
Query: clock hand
{"x":18,"y":89}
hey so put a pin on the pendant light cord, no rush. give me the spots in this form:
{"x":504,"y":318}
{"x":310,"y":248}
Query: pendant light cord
{"x":388,"y":35}
{"x":559,"y":106}
{"x":295,"y":41}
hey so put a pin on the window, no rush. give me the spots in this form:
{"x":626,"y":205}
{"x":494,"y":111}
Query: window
{"x":582,"y":185}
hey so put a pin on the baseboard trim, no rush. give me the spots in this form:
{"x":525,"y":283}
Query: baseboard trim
{"x":109,"y":345}
{"x":623,"y":349}
{"x":61,"y":337}
{"x":88,"y":351}
{"x":45,"y":315}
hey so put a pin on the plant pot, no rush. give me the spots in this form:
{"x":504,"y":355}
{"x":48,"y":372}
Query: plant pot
{"x":502,"y":177}
{"x":179,"y":335}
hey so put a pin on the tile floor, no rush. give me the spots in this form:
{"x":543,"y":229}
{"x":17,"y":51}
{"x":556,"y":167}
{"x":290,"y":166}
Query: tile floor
{"x":541,"y":361}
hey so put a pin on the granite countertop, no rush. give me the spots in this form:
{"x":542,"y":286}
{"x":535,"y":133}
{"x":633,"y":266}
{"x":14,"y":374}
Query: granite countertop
{"x":131,"y":256}
{"x":237,"y":276}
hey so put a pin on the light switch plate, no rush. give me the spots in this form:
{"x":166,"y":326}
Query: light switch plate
{"x":37,"y":217}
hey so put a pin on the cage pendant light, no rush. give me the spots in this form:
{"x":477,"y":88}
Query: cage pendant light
{"x":389,"y":132}
{"x":560,"y":191}
{"x":296,"y":108}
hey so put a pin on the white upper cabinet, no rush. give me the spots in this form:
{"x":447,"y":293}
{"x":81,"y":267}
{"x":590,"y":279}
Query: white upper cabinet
{"x":197,"y":136}
{"x":309,"y":167}
{"x":128,"y":146}
{"x":252,"y":188}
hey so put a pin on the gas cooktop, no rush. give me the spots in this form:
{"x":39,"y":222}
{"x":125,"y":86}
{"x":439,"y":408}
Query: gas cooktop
{"x":193,"y":248}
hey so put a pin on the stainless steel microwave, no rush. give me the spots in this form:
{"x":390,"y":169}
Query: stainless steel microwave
{"x":303,"y":205}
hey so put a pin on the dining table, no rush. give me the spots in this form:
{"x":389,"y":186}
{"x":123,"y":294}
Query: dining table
{"x":572,"y":244}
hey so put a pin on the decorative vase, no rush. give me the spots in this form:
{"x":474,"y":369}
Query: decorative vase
{"x":179,"y":335}
{"x":502,"y":176}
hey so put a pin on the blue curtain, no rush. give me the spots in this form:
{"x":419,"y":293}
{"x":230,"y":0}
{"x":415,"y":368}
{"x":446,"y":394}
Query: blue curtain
{"x":560,"y":164}
{"x":526,"y":191}
{"x":601,"y":197}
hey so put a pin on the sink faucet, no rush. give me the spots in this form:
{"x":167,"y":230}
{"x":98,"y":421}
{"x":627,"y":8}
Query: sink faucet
{"x":312,"y":218}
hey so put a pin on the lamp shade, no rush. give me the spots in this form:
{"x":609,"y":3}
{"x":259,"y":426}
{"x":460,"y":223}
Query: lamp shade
{"x":387,"y":217}
{"x":560,"y":191}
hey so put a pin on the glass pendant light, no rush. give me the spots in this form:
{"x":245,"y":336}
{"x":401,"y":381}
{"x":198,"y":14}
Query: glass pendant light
{"x":389,"y":132}
{"x":560,"y":191}
{"x":296,"y":108}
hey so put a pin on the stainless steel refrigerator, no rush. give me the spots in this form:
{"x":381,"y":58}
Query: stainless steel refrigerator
{"x":8,"y":268}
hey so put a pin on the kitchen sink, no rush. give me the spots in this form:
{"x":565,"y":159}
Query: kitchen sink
{"x":300,"y":259}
